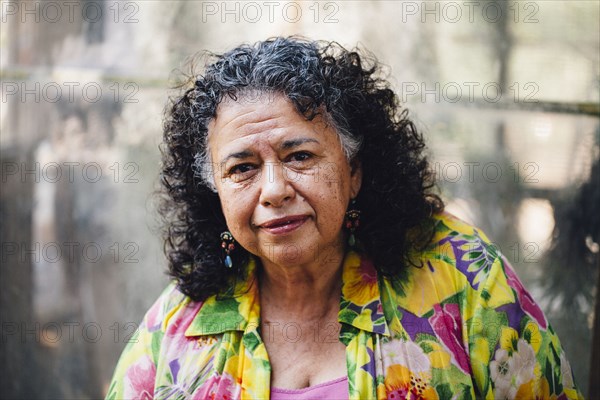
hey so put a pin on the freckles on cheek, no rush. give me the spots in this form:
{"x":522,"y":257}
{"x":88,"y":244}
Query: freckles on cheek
{"x":237,"y":210}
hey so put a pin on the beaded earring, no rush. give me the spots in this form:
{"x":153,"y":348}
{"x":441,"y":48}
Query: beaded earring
{"x":227,"y":243}
{"x":352,"y":221}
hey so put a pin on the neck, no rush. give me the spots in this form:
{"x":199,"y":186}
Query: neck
{"x":308,"y":291}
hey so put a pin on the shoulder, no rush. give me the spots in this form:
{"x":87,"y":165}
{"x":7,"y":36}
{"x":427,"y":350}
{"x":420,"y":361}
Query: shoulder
{"x":459,"y":246}
{"x":448,"y":225}
{"x":468,"y":316}
{"x":160,"y":352}
{"x":162,"y":330}
{"x":454,"y":265}
{"x":171,"y":312}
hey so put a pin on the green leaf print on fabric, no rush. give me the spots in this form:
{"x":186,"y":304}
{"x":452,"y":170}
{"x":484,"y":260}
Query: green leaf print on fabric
{"x":214,"y":313}
{"x":252,"y":341}
{"x":444,"y":391}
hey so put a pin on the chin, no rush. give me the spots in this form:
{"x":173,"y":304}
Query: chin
{"x":290,"y":253}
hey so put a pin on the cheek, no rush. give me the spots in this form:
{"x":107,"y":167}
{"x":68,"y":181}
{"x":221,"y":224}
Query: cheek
{"x":331,"y":207}
{"x":336,"y":191}
{"x":238,"y":214}
{"x":335,"y":197}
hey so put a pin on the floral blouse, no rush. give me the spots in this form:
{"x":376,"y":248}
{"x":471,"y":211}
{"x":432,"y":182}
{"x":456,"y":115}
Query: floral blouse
{"x":462,"y":326}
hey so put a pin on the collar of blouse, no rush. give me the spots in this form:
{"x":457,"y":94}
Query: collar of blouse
{"x":362,"y":304}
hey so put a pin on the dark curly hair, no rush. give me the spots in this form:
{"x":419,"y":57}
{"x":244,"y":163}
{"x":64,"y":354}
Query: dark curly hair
{"x":395,"y":197}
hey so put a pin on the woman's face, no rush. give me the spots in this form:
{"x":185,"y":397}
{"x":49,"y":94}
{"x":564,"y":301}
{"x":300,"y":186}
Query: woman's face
{"x":284,"y":182}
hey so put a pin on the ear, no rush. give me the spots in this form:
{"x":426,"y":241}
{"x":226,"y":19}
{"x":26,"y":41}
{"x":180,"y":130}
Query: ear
{"x":355,"y":177}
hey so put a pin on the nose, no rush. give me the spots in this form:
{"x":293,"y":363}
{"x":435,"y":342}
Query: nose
{"x":276,"y":189}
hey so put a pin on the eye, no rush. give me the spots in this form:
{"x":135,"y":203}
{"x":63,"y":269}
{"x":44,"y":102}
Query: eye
{"x":299,"y":156}
{"x":240,"y":169}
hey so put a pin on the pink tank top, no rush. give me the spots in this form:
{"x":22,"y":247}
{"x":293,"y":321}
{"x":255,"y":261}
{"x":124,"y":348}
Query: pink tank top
{"x":336,"y":389}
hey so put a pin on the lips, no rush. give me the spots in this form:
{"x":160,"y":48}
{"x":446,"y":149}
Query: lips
{"x":284,"y":225}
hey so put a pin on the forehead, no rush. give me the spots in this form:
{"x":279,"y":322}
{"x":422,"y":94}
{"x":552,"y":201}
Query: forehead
{"x":266,"y":116}
{"x":256,"y":112}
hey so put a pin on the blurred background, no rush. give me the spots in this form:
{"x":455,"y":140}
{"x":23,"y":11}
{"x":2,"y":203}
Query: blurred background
{"x":506,"y":93}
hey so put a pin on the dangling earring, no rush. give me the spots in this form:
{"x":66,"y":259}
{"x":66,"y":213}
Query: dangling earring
{"x":227,"y":243}
{"x":352,"y":221}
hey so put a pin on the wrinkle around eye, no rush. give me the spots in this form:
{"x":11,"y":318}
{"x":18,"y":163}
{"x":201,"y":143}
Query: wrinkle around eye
{"x":241,"y":168}
{"x":304,"y":155}
{"x":241,"y":172}
{"x":301,"y":160}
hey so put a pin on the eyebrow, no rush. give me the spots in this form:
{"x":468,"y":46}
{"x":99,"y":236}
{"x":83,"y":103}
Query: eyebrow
{"x":238,"y":155}
{"x":289,"y":144}
{"x":286,"y":145}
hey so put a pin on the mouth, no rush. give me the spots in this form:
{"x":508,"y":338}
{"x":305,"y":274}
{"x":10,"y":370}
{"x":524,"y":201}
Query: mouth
{"x":284,"y":225}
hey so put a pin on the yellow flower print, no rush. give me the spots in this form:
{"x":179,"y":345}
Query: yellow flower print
{"x":364,"y":319}
{"x":532,"y":335}
{"x":396,"y":376}
{"x":400,"y":383}
{"x":479,"y":357}
{"x":481,"y":349}
{"x":525,"y":391}
{"x":254,"y":372}
{"x":408,"y":371}
{"x":535,"y":390}
{"x":432,"y":284}
{"x":360,"y":280}
{"x":503,"y":293}
{"x":509,"y":339}
{"x":458,"y":225}
{"x":439,"y":357}
{"x":232,"y":367}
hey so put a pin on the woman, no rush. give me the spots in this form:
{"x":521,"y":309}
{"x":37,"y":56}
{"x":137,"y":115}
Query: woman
{"x":310,"y":259}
